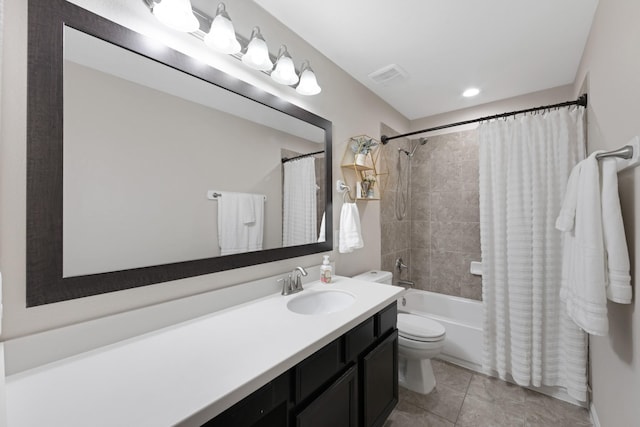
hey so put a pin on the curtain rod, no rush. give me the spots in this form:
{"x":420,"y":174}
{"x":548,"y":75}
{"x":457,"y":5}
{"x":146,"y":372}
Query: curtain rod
{"x":581,"y":101}
{"x":285,"y":159}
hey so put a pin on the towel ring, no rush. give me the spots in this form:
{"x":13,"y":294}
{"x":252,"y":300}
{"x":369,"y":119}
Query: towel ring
{"x":343,"y":188}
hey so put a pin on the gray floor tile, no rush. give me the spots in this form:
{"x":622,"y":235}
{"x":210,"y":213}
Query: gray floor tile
{"x":442,"y":401}
{"x":477,"y":412}
{"x":545,"y":411}
{"x":494,"y":390}
{"x":451,"y":376}
{"x":463,"y":398}
{"x":406,"y":415}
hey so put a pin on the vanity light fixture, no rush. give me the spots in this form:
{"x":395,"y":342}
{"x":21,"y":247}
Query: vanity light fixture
{"x":257,"y":54}
{"x":284,"y":71}
{"x":222,"y":35}
{"x":179,"y":15}
{"x":176,"y":14}
{"x":308,"y":83}
{"x":472,"y":91}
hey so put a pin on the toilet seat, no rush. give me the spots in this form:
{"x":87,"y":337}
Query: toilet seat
{"x":418,"y":328}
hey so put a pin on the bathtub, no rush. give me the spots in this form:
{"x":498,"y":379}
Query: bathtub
{"x":461,"y":317}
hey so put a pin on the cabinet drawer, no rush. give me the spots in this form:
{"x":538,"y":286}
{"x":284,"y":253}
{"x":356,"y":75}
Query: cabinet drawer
{"x":386,"y":319}
{"x":266,"y":405}
{"x":359,"y":338}
{"x":317,"y":369}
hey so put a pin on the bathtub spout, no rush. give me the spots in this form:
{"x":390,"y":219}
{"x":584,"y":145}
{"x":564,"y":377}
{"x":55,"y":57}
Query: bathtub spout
{"x":406,"y":283}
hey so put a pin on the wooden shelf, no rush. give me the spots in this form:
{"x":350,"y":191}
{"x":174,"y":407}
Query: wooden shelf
{"x":358,"y":167}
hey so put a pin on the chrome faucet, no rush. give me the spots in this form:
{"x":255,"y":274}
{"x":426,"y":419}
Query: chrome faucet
{"x":293,"y":282}
{"x":296,"y":284}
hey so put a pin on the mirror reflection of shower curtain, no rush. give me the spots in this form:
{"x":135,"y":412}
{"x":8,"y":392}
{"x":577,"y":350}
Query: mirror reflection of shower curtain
{"x":299,"y":216}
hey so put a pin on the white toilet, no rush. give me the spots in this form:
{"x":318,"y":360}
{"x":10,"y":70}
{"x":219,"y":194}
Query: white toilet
{"x":419,"y":339}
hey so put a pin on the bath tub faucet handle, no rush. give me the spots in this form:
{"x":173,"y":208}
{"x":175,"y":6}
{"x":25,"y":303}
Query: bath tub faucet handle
{"x":400,"y":264}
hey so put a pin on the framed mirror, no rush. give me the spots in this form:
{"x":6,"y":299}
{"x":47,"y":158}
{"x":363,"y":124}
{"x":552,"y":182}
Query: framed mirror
{"x":145,"y":166}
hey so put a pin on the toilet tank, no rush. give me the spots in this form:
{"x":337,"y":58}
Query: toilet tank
{"x":377,"y":276}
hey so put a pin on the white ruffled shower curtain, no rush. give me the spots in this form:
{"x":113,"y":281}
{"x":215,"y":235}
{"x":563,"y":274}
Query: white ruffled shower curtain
{"x":524,"y":166}
{"x":299,"y":217}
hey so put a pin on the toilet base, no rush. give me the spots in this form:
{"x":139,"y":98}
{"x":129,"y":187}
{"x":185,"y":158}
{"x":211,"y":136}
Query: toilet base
{"x":416,"y":375}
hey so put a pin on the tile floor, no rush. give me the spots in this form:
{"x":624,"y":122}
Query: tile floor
{"x":464,"y":398}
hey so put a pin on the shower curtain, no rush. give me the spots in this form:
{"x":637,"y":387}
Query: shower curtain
{"x":524,"y":166}
{"x":299,"y":217}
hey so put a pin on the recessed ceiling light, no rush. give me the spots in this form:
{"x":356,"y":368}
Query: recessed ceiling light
{"x":472,"y":91}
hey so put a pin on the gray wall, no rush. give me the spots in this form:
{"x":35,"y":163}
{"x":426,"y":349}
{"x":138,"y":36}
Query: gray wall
{"x":610,"y":69}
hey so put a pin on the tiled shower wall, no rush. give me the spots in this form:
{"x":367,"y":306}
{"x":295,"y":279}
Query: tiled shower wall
{"x":443,"y":234}
{"x":395,"y":233}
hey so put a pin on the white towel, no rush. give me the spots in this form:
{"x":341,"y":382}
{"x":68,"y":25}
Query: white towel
{"x":595,"y":256}
{"x":322,"y":233}
{"x":567,"y":215}
{"x":240,"y":222}
{"x":615,"y":243}
{"x":350,"y":234}
{"x":583,"y":273}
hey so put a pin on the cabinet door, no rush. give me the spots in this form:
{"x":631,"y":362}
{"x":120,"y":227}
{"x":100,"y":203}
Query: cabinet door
{"x":380,"y":381}
{"x":337,"y":406}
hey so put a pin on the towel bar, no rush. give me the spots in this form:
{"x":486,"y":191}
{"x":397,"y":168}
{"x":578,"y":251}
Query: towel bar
{"x":215,"y":195}
{"x":627,"y":156}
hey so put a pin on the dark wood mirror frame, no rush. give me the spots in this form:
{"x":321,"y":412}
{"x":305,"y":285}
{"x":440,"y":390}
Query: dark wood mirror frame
{"x":45,"y":282}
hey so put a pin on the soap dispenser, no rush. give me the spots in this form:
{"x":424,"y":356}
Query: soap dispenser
{"x":325,"y":270}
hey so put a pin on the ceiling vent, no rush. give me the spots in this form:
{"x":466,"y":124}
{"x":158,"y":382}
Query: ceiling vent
{"x":388,"y":73}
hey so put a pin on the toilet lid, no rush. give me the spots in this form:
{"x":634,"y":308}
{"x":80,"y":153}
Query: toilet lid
{"x":419,"y":328}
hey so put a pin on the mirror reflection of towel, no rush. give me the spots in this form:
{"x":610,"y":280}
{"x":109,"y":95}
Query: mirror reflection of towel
{"x":240,"y":222}
{"x":322,"y":233}
{"x":350,"y":234}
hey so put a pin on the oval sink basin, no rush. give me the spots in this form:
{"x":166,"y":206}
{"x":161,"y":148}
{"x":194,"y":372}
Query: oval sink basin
{"x":321,"y":302}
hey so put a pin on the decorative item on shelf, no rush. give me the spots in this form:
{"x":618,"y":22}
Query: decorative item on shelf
{"x":362,"y":147}
{"x":368,"y":182}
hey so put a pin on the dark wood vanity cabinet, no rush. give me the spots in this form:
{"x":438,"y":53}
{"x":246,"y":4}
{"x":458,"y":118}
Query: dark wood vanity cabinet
{"x":379,"y":372}
{"x":336,"y":406}
{"x":351,"y":382}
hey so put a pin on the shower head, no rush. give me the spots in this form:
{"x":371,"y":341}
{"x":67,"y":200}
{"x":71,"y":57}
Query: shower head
{"x":421,"y":141}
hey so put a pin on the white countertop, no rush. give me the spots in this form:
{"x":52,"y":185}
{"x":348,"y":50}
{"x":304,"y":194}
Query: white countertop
{"x":187,"y":373}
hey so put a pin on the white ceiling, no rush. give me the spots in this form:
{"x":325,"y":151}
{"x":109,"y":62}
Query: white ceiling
{"x":504,"y":47}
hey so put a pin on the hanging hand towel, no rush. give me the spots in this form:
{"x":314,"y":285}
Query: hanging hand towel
{"x":615,"y":243}
{"x":567,"y":215}
{"x":240,"y":222}
{"x":350,"y":234}
{"x":583,"y":273}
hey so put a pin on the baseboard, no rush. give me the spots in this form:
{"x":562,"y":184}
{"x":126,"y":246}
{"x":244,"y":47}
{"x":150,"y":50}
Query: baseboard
{"x":594,"y":416}
{"x":463,"y":363}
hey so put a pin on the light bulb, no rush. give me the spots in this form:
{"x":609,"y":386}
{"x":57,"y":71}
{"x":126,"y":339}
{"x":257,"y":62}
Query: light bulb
{"x":177,"y":14}
{"x":222,"y":36}
{"x":308,"y":84}
{"x":257,"y":55}
{"x":284,"y":71}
